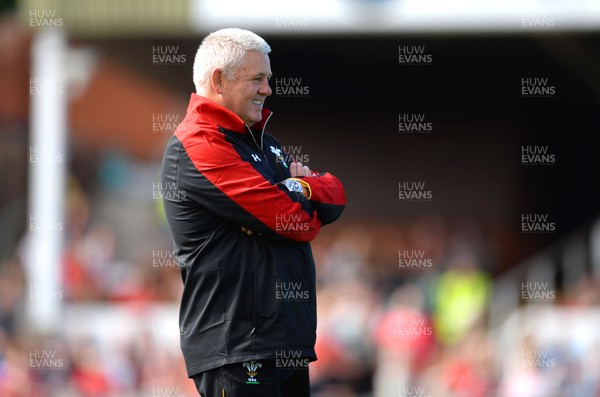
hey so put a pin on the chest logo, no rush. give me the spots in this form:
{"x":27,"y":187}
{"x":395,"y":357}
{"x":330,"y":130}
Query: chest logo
{"x":252,"y":368}
{"x":280,"y":158}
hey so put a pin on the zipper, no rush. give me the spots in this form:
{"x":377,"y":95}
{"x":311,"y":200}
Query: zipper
{"x":255,"y":301}
{"x":262,"y":133}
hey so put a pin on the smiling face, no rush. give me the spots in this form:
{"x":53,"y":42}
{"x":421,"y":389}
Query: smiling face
{"x":246,"y":92}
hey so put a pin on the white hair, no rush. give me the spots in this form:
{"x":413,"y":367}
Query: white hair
{"x":224,"y":49}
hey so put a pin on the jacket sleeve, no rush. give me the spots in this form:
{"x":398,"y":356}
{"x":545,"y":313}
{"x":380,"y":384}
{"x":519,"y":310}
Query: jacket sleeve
{"x":328,"y":197}
{"x":213,"y":175}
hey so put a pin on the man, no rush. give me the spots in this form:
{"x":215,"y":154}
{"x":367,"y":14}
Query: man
{"x":242,"y":217}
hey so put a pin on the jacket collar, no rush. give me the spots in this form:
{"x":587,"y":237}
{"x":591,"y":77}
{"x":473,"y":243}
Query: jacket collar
{"x":206,"y":110}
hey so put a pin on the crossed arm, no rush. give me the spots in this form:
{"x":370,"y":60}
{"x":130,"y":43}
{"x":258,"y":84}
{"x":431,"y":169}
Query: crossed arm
{"x":296,"y":170}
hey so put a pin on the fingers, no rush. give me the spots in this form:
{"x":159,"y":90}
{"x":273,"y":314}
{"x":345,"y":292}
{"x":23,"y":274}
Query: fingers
{"x":297,"y":169}
{"x":294,"y":169}
{"x":248,"y":231}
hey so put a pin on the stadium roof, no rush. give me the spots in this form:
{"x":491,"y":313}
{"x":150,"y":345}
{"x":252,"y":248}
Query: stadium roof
{"x":134,"y":18}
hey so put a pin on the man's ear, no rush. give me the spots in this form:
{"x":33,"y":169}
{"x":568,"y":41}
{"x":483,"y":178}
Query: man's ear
{"x":216,"y":81}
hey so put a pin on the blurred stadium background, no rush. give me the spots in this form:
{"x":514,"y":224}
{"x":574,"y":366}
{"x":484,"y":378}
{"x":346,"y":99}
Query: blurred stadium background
{"x":487,"y":285}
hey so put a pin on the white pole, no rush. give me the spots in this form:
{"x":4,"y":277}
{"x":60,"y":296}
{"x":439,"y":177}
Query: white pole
{"x":47,"y":177}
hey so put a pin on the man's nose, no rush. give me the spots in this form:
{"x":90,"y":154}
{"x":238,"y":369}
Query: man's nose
{"x":265,"y":88}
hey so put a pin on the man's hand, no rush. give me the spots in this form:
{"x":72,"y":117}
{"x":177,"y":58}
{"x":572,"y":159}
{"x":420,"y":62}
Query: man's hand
{"x":248,"y":231}
{"x":297,"y":169}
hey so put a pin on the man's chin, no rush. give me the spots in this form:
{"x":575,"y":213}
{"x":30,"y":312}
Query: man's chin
{"x":255,"y":120}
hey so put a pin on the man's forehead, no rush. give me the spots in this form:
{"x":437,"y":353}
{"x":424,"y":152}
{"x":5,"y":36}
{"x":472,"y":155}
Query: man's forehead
{"x":256,"y":62}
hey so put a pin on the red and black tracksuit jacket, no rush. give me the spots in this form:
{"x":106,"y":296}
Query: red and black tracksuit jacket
{"x":244,"y":297}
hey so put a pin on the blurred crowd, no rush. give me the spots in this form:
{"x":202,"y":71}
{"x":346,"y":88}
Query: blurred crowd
{"x":403,"y":310}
